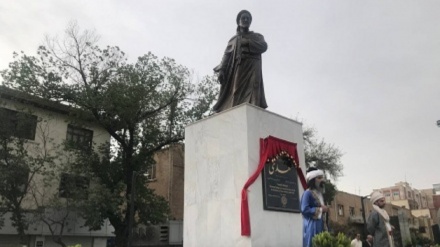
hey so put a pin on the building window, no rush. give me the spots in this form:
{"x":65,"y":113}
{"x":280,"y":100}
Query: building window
{"x":151,"y":172}
{"x":396,"y":194}
{"x":387,"y":194}
{"x":15,"y":180}
{"x":18,"y":124}
{"x":73,"y":186}
{"x":351,"y":211}
{"x":341,"y":210}
{"x":79,"y":138}
{"x":39,"y":243}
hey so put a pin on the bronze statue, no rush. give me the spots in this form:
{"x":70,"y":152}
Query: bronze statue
{"x":240,"y":71}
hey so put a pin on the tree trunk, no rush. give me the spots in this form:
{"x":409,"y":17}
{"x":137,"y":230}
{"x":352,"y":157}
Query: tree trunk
{"x":121,"y":238}
{"x":24,"y":240}
{"x":59,"y":241}
{"x":18,"y":219}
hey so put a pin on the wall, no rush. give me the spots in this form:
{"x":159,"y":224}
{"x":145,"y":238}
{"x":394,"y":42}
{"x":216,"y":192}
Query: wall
{"x":421,"y":213}
{"x":401,"y":203}
{"x":348,"y":200}
{"x":51,"y":126}
{"x":170,"y":178}
{"x":221,"y":153}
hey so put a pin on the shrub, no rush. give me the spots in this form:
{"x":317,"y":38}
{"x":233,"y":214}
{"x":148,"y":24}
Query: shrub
{"x":325,"y":239}
{"x":342,"y":240}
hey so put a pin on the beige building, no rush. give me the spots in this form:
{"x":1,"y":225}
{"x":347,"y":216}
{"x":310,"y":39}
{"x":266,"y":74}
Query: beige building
{"x":38,"y":120}
{"x":403,"y":195}
{"x":347,"y":208}
{"x":434,"y":202}
{"x":167,"y":177}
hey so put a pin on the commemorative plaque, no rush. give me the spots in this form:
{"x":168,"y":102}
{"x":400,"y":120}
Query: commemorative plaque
{"x":280,"y":184}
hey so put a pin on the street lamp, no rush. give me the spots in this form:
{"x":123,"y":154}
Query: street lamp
{"x":131,"y":215}
{"x":363,"y":214}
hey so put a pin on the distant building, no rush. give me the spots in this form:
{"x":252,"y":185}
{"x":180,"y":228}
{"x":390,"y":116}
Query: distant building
{"x":402,"y":194}
{"x":435,"y":207}
{"x":166,"y":177}
{"x":347,"y":208}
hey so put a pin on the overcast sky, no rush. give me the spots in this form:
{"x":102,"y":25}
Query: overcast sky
{"x":365,"y":74}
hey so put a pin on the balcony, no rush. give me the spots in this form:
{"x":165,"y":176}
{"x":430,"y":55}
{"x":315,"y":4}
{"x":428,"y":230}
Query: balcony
{"x":357,"y":219}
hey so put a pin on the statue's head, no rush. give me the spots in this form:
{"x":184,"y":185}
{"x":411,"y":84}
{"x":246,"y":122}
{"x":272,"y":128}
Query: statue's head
{"x":244,"y":19}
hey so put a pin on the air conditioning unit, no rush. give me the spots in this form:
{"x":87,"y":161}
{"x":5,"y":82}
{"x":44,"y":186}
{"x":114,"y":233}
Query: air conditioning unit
{"x":39,"y":242}
{"x":164,"y":231}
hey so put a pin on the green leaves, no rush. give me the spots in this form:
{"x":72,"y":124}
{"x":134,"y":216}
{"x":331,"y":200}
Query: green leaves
{"x":325,"y":239}
{"x":324,"y":156}
{"x":330,"y":192}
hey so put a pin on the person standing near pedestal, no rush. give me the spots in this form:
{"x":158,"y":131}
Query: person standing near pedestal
{"x":378,"y":223}
{"x":356,"y":242}
{"x":240,"y":71}
{"x":368,"y":242}
{"x":313,"y":208}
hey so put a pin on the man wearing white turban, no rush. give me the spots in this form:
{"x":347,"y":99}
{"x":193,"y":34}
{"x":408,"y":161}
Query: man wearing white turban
{"x":378,"y":223}
{"x":312,"y":206}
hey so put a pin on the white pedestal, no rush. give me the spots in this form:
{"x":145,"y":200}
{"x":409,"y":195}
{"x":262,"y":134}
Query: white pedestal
{"x":221,"y":153}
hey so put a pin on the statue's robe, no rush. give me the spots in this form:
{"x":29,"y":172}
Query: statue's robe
{"x":242,"y":69}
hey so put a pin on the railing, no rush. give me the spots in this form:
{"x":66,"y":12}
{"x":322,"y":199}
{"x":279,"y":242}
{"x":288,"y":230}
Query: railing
{"x":356,"y":219}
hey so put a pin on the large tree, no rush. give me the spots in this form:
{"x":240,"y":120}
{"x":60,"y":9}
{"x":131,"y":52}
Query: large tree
{"x":322,"y":155}
{"x":144,"y":106}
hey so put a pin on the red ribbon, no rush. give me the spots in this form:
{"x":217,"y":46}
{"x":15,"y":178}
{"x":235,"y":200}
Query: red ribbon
{"x":269,"y":147}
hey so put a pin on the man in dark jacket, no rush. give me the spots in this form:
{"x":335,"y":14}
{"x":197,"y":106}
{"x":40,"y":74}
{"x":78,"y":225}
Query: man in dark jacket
{"x":378,"y":223}
{"x":368,"y":242}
